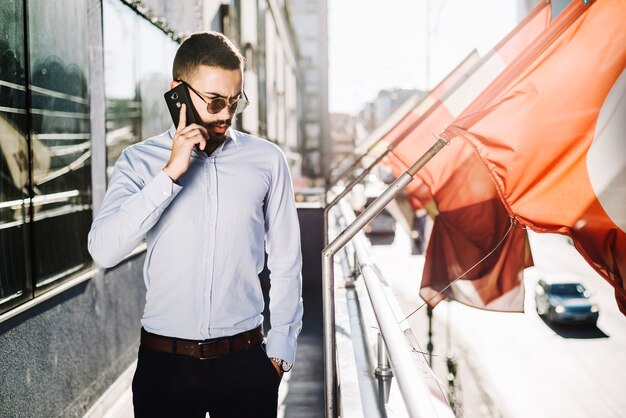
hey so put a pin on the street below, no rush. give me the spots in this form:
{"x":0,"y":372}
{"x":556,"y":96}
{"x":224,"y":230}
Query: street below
{"x":516,"y":364}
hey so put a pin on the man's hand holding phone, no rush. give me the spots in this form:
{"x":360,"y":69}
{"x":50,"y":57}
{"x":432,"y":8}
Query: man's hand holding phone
{"x":184,"y":140}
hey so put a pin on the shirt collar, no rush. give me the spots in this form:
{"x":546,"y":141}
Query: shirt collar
{"x":233,"y":134}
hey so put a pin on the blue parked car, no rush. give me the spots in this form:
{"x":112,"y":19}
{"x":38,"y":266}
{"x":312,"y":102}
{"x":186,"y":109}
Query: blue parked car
{"x":565,"y":302}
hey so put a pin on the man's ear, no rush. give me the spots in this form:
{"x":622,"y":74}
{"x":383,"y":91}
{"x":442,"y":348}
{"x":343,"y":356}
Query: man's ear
{"x":174,"y":83}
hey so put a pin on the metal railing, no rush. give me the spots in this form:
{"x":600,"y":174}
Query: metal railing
{"x":393,"y":347}
{"x":411,"y":386}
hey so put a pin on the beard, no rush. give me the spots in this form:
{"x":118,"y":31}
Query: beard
{"x":217,"y":134}
{"x":215,"y":128}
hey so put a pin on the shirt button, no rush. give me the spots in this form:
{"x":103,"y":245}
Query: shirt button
{"x":164,"y":194}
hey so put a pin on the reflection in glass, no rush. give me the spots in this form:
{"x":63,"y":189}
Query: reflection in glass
{"x":123,"y":113}
{"x":155,"y":74}
{"x":138,"y":62}
{"x":45,"y":199}
{"x":14,"y":176}
{"x":60,"y":123}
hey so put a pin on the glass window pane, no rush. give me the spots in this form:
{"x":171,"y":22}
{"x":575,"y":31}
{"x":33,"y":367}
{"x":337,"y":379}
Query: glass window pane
{"x":60,"y":130}
{"x":156,"y":55}
{"x":14,"y":178}
{"x":123,"y":115}
{"x":138,"y":69}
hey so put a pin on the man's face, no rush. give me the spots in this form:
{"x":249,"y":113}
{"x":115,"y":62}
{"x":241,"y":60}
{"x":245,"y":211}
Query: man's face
{"x":214,"y":83}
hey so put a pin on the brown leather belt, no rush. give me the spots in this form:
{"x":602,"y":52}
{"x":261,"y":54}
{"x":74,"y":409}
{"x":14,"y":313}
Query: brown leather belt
{"x":206,"y":349}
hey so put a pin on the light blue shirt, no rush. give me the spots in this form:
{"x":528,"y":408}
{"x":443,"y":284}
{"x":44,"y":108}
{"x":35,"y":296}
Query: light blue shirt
{"x":206,"y":236}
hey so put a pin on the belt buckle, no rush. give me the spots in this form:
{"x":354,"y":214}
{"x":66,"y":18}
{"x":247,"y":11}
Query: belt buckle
{"x":201,"y":346}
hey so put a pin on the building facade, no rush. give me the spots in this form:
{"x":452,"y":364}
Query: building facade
{"x":264,"y":32}
{"x":343,"y":135}
{"x":70,"y":102}
{"x":310,"y":18}
{"x":386,"y":102}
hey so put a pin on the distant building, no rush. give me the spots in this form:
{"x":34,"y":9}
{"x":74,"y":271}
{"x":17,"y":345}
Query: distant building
{"x":263,"y":31}
{"x":386,"y":102}
{"x":342,"y":134}
{"x":525,"y":6}
{"x":310,"y":22}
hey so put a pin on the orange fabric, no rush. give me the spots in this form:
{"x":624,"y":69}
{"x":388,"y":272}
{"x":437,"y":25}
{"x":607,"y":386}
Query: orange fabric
{"x":417,"y":114}
{"x":515,"y":42}
{"x":417,"y":192}
{"x":416,"y":132}
{"x":458,"y":242}
{"x":409,"y":121}
{"x":535,"y":126}
{"x":410,"y":144}
{"x":472,"y":221}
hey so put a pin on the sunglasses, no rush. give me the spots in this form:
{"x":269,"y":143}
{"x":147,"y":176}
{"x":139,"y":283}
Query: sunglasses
{"x":235,"y":104}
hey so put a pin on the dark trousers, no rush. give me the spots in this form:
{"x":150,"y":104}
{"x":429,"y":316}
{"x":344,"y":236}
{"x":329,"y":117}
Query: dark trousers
{"x":240,"y":385}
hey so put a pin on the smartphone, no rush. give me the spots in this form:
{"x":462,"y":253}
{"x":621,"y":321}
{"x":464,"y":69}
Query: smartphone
{"x":175,"y":98}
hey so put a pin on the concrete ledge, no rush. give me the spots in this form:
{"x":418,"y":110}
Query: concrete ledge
{"x":117,"y":401}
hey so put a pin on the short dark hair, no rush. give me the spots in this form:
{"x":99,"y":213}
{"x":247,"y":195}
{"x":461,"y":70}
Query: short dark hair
{"x":212,"y":49}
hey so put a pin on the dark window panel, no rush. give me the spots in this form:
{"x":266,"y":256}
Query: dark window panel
{"x":59,"y":62}
{"x":14,"y":177}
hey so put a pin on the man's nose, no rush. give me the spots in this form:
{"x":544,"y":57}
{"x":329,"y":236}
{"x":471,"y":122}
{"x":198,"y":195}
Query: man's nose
{"x":225,"y":113}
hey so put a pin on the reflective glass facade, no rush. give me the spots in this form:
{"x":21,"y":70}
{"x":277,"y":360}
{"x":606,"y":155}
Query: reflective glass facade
{"x":138,"y":61}
{"x":60,"y":138}
{"x":45,"y":207}
{"x":45,"y":129}
{"x":15,"y":281}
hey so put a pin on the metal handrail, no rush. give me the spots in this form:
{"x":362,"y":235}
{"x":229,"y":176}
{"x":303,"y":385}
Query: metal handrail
{"x":414,"y":391}
{"x":328,"y":279}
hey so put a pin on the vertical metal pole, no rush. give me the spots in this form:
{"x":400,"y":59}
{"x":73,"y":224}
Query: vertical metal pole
{"x":430,"y":347}
{"x":383,"y":373}
{"x":330,"y":361}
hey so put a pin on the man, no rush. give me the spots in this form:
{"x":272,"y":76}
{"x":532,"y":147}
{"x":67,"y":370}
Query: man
{"x":207,"y":220}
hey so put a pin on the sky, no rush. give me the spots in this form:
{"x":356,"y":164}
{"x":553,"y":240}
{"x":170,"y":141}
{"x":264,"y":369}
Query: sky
{"x":375,"y":45}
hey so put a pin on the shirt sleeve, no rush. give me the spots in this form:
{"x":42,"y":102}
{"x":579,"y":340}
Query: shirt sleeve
{"x":282,"y":243}
{"x":131,"y":207}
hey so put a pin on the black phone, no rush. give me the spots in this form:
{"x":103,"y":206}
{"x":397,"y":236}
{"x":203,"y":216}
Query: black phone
{"x":176,"y":97}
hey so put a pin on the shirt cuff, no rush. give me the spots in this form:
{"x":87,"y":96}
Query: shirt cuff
{"x":281,"y":346}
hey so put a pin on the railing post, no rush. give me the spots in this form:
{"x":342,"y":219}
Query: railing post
{"x":430,"y":346}
{"x":383,"y":373}
{"x":330,"y":359}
